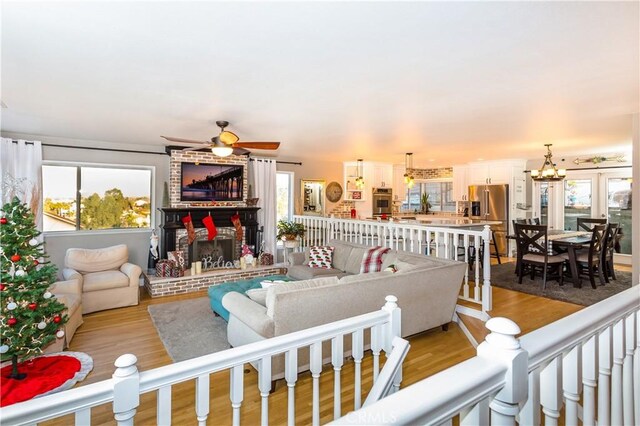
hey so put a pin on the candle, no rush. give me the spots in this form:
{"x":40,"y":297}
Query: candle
{"x":198,"y":267}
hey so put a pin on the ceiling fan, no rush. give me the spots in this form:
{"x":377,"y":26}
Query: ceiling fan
{"x":226,"y":143}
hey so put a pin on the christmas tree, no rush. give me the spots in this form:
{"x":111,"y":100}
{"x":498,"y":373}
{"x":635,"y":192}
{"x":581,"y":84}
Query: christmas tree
{"x":30,"y":318}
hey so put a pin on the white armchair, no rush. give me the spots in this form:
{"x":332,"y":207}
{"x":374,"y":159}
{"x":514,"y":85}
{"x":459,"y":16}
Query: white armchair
{"x":107,"y":279}
{"x":68,"y":293}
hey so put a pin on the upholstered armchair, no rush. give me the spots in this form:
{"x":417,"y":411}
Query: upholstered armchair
{"x":68,"y":293}
{"x":107,"y":279}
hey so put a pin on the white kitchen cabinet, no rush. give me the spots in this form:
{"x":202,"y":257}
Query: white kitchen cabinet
{"x":460,"y":183}
{"x":490,"y":173}
{"x":382,"y":175}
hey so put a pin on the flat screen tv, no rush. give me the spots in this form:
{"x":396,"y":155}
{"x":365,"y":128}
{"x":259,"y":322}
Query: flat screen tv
{"x":211,"y":182}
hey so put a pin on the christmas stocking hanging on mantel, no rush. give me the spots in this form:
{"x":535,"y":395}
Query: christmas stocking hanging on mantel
{"x":212,"y":231}
{"x":235,"y":219}
{"x":188,"y":225}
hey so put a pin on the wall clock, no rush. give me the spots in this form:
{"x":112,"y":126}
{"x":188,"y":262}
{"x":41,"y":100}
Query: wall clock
{"x":334,"y":192}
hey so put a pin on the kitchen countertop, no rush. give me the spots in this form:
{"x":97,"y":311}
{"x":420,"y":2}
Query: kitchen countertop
{"x":444,"y":222}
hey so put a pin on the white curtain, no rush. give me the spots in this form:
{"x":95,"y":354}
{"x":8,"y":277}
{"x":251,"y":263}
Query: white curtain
{"x":262,"y":178}
{"x":21,"y":174}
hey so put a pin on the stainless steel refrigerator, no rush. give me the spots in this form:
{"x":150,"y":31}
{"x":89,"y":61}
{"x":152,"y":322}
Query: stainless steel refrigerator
{"x":491,"y":202}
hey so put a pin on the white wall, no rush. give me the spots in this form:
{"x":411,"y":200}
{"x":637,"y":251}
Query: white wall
{"x":635,"y":244}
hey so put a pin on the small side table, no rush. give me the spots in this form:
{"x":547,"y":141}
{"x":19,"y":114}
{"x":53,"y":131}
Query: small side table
{"x":289,"y":246}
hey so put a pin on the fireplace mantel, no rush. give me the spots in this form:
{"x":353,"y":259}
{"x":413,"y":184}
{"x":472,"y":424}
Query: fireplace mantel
{"x":172,"y":221}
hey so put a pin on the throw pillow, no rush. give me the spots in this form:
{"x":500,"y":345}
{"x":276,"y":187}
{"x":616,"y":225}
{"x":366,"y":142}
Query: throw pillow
{"x":258,"y":295}
{"x":320,"y":257}
{"x":391,"y":268}
{"x":372,"y":259}
{"x":403,"y":266}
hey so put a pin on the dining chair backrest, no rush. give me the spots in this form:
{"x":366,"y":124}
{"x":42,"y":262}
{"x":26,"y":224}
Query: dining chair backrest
{"x":610,"y":235}
{"x":531,"y":239}
{"x":534,"y":221}
{"x":587,"y":223}
{"x":597,"y":238}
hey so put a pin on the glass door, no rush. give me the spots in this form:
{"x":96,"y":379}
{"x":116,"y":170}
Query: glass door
{"x":616,"y":194}
{"x":579,"y":197}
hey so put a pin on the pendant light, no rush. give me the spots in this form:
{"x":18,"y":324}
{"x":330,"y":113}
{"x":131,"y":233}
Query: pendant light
{"x":408,"y":167}
{"x":548,"y":172}
{"x":360,"y":173}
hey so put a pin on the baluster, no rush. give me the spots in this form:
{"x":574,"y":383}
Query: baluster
{"x":456,"y":243}
{"x":315,"y":352}
{"x":163,"y":409}
{"x":264,"y":384}
{"x":126,"y":389}
{"x":589,"y":381}
{"x":604,"y":376}
{"x":550,"y":391}
{"x":465,"y":287}
{"x":476,"y":290}
{"x":427,"y":242}
{"x":357,"y":351}
{"x":291,"y":375}
{"x":337,"y":359}
{"x":616,"y":373}
{"x":419,"y":241}
{"x":376,"y":344}
{"x":477,"y":414}
{"x":446,"y":236}
{"x":237,"y":391}
{"x":530,"y":413}
{"x":83,"y":417}
{"x":627,"y":372}
{"x":636,"y":369}
{"x":571,"y":378}
{"x":202,"y":399}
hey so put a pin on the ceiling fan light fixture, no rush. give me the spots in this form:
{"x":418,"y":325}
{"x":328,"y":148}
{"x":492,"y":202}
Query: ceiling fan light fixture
{"x":222,"y":151}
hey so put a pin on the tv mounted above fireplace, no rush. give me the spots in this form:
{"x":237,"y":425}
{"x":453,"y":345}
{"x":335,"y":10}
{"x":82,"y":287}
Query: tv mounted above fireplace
{"x":211,"y":182}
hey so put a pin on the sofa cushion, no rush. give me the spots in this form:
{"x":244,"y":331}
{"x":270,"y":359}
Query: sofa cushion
{"x":363,"y":277}
{"x":258,"y":295}
{"x":302,"y":272}
{"x":388,"y":259}
{"x":341,"y":254}
{"x":355,"y":260}
{"x":320,"y":257}
{"x":87,"y":260}
{"x":404,"y":266}
{"x":297,"y":285}
{"x":97,"y":281}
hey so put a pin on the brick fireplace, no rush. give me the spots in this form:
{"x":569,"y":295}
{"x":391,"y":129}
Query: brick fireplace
{"x":225,"y":245}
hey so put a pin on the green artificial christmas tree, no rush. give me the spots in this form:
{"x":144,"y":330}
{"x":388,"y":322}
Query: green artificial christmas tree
{"x":30,"y":318}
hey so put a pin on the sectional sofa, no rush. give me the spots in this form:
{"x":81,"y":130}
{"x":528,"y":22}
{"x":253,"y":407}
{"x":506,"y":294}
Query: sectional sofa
{"x":426,"y":287}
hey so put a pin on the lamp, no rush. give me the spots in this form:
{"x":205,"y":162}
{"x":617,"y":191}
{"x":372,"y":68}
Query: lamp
{"x":408,"y":165}
{"x":220,"y":149}
{"x":360,"y":173}
{"x":548,"y":172}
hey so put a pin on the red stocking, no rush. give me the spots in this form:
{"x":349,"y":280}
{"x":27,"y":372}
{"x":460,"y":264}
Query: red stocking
{"x":235,"y":219}
{"x":211,"y":227}
{"x":191,"y":232}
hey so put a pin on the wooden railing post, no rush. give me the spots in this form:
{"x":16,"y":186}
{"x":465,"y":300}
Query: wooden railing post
{"x":487,"y":300}
{"x":126,"y":389}
{"x":501,"y":344}
{"x":393,"y":330}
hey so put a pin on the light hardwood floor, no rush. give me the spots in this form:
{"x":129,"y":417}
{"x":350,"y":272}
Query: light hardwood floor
{"x":108,"y":334}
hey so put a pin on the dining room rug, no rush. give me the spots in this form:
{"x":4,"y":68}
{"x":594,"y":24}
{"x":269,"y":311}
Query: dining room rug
{"x":188,"y":328}
{"x":503,"y":276}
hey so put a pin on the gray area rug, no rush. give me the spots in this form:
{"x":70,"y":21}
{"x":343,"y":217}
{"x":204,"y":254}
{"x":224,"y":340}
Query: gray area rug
{"x":503,"y":276}
{"x":188,"y":328}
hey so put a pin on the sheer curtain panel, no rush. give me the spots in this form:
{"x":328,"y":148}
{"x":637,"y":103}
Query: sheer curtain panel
{"x":262,"y":177}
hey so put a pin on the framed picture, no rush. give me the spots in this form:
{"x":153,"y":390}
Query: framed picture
{"x":356,"y":195}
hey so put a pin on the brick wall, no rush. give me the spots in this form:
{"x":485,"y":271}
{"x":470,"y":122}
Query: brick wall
{"x":444,"y":172}
{"x":178,"y":157}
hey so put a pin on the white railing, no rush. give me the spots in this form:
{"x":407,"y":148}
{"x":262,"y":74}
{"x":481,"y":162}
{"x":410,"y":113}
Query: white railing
{"x":448,"y":243}
{"x":127,"y":384}
{"x":591,"y":356}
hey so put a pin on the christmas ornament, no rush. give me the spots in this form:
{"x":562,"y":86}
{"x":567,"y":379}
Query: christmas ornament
{"x":42,"y":325}
{"x":4,"y":349}
{"x":11,"y":306}
{"x":60,"y":334}
{"x":12,"y":321}
{"x":3,"y":220}
{"x":1,"y":250}
{"x":2,"y":287}
{"x":212,"y":231}
{"x":33,"y":306}
{"x":16,"y":258}
{"x":47,"y":295}
{"x":35,"y":262}
{"x":57,"y":319}
{"x":33,"y":242}
{"x":20,"y":273}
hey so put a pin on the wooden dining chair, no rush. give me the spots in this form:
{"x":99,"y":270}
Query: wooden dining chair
{"x":608,"y":244}
{"x":587,"y":223}
{"x":533,"y":253}
{"x":588,"y":259}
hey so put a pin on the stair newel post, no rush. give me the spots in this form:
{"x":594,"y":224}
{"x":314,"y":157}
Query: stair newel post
{"x":126,"y":389}
{"x":501,"y":344}
{"x":486,"y":270}
{"x":393,"y":330}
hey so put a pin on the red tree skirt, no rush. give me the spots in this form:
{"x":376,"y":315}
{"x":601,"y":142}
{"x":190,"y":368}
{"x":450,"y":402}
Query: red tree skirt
{"x":45,"y":374}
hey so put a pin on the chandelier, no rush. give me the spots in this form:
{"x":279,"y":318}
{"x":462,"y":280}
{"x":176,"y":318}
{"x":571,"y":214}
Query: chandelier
{"x":408,"y":166}
{"x":548,"y":172}
{"x":360,"y":173}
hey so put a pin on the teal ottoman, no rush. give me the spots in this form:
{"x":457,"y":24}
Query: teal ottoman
{"x":217,"y":292}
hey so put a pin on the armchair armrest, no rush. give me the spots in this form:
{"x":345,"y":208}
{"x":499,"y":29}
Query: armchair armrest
{"x":72,"y":274}
{"x":296,"y":258}
{"x":66,"y":287}
{"x":132,"y":271}
{"x":252,"y":314}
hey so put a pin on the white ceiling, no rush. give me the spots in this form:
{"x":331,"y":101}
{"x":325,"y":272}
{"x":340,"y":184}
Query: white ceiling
{"x":451,"y":82}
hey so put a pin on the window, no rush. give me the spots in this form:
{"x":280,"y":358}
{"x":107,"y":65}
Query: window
{"x":284,"y":195}
{"x":108,"y":197}
{"x":440,"y":197}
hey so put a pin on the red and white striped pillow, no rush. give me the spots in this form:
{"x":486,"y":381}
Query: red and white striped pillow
{"x":372,"y":260}
{"x":320,"y":257}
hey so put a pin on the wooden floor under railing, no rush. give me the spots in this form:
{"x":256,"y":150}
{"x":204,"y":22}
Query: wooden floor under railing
{"x":108,"y":334}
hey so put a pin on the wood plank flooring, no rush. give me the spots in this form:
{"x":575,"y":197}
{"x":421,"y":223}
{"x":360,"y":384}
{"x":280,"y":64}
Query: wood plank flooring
{"x":109,"y":334}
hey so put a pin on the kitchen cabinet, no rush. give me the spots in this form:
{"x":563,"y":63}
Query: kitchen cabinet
{"x":460,"y":183}
{"x":490,"y":172}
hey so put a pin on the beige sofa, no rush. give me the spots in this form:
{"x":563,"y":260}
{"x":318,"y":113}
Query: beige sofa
{"x":426,"y":287}
{"x":107,"y":279}
{"x":70,"y":294}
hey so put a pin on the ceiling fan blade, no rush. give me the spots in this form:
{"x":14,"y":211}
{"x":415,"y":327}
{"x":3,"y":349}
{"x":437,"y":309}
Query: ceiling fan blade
{"x":240,"y":151}
{"x":228,"y":138}
{"x":180,"y":140}
{"x":257,"y":145}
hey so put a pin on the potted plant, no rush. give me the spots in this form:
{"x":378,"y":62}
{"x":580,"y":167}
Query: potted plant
{"x":426,"y":205}
{"x":289,"y":231}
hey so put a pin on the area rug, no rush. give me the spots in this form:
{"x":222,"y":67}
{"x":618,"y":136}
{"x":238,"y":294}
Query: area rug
{"x":46,"y":374}
{"x":503,"y":276}
{"x":188,"y":328}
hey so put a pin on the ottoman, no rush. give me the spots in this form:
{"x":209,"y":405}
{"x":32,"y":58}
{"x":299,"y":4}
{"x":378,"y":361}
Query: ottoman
{"x":217,"y":292}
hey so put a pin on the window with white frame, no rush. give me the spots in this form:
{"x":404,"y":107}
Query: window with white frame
{"x":95,"y":197}
{"x":440,"y":197}
{"x":284,"y":196}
